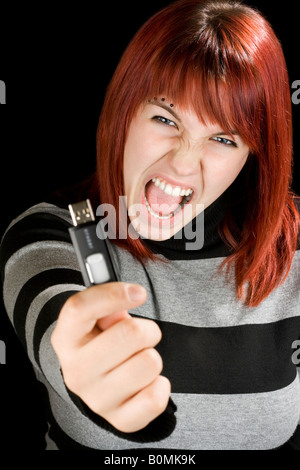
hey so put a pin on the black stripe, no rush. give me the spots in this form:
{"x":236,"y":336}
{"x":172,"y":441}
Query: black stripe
{"x":30,"y":229}
{"x":33,"y":287}
{"x":218,"y":250}
{"x":47,"y":316}
{"x":240,"y":359}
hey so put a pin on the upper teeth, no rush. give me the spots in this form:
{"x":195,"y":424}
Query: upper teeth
{"x":171,"y":190}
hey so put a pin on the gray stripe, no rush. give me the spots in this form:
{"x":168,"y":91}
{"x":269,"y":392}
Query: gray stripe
{"x":31,"y":260}
{"x":51,"y":368}
{"x":35,"y":308}
{"x":171,"y":287}
{"x":238,"y":422}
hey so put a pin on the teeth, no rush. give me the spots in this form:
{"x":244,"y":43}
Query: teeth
{"x":176,"y":191}
{"x":164,"y":217}
{"x":161,"y":217}
{"x":168,"y":189}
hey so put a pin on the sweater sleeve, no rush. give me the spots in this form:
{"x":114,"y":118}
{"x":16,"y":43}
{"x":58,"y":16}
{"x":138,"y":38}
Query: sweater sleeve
{"x":39,"y":272}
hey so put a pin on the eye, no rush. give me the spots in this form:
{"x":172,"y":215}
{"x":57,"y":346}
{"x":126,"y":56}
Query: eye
{"x":224,"y":141}
{"x":165,"y":121}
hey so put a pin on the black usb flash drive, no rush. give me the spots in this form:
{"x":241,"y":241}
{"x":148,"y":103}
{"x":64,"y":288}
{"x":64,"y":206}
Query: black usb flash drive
{"x":93,"y":252}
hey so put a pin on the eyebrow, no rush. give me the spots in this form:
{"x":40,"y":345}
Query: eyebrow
{"x":171,"y":111}
{"x":167,"y":108}
{"x":225,"y":133}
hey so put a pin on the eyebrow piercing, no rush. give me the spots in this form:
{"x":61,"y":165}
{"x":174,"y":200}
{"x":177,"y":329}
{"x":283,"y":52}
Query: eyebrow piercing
{"x":162,"y":99}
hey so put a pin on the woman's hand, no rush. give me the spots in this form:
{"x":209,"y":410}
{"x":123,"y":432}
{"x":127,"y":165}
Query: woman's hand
{"x":107,"y":357}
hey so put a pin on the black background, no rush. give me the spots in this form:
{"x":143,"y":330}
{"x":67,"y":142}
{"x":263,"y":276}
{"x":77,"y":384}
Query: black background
{"x":56,"y":64}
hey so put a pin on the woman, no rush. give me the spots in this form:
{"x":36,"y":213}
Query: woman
{"x":193,"y":348}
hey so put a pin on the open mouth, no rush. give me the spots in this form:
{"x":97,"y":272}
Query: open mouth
{"x":164,"y":200}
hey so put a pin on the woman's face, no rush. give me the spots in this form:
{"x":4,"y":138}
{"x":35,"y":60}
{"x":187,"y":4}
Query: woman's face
{"x":175,"y":166}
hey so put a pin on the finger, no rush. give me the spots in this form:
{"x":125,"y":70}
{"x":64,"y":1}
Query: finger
{"x":144,"y":407}
{"x":134,"y":375}
{"x":81,"y":311}
{"x":103,"y":324}
{"x":118,"y":343}
{"x":106,"y":322}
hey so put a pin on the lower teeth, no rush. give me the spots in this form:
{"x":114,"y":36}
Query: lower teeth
{"x":165,"y":217}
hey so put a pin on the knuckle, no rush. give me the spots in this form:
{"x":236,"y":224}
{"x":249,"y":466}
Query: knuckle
{"x":143,"y":332}
{"x":117,"y":421}
{"x":72,"y":305}
{"x":153,"y":330}
{"x":158,"y":396}
{"x":157,"y":331}
{"x":133,"y":330}
{"x":97,"y":404}
{"x":124,"y":422}
{"x":152,"y":360}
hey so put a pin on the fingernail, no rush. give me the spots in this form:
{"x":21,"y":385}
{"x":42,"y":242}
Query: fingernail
{"x":136,"y":293}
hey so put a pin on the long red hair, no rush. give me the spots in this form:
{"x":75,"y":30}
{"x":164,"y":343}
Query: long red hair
{"x":224,"y":60}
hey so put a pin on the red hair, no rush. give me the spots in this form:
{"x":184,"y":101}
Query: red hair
{"x":222,"y":59}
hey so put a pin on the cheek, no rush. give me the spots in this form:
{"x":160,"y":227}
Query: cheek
{"x":136,"y":145}
{"x":137,"y":158}
{"x":142,"y":151}
{"x":222,"y":172}
{"x":136,"y":161}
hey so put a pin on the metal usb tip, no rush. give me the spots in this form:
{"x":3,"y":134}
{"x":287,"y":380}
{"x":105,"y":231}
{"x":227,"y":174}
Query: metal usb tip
{"x":81,"y":212}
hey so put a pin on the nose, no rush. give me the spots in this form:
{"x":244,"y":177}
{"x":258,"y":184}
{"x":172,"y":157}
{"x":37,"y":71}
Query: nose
{"x":186,"y":160}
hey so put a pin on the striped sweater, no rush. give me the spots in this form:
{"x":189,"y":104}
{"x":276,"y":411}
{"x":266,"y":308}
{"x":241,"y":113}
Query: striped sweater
{"x":234,"y":383}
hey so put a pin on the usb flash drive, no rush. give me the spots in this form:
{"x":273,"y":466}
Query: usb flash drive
{"x":93,"y":253}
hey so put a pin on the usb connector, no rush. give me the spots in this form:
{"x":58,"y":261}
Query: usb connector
{"x":81,"y":212}
{"x":93,"y":252}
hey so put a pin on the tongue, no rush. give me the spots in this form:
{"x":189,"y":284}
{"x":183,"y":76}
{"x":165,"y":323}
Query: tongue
{"x":161,"y":202}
